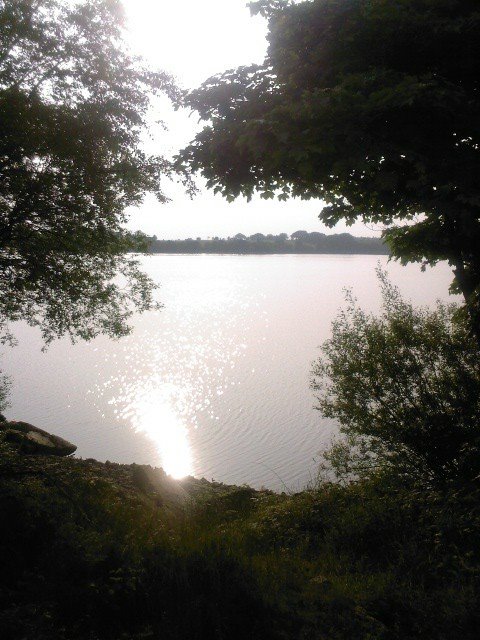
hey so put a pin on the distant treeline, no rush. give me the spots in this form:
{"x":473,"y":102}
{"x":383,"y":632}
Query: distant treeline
{"x":298,"y":242}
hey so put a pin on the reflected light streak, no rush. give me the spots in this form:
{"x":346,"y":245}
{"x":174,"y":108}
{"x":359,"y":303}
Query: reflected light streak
{"x":153,"y":413}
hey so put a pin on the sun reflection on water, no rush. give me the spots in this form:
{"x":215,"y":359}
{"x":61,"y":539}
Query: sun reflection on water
{"x":168,"y":379}
{"x":153,"y":412}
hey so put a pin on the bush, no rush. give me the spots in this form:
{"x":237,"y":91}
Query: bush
{"x":405,"y":388}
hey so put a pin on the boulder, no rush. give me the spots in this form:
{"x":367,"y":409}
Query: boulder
{"x":34,"y":441}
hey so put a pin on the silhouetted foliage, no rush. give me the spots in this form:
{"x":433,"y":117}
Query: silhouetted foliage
{"x":73,"y":105}
{"x":405,"y":389}
{"x":372,"y":107}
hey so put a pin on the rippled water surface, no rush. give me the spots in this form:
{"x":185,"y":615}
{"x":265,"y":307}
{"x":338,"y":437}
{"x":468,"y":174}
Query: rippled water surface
{"x":217,"y":383}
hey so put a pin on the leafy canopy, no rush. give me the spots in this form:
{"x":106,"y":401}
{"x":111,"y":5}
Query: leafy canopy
{"x":404,"y":387}
{"x":73,"y":105}
{"x":372,"y":106}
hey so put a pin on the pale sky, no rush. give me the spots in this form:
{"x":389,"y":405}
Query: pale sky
{"x":193,"y":40}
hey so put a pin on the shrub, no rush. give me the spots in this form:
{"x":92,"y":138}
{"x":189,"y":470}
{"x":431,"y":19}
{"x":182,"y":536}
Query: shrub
{"x":404,"y":386}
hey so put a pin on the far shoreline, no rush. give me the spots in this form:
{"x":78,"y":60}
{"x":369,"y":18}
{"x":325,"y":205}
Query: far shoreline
{"x":299,"y":243}
{"x":251,"y":253}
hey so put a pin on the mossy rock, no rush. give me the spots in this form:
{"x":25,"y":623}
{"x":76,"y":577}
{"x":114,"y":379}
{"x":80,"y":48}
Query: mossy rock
{"x":31,"y":440}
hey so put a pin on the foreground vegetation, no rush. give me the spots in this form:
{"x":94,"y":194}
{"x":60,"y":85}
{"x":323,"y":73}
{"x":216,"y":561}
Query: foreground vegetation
{"x":96,"y":551}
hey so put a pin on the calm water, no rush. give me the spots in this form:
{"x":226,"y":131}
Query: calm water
{"x":217,"y":383}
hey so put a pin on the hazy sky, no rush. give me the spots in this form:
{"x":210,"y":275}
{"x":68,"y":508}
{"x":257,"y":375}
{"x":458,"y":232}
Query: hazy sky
{"x":193,"y":40}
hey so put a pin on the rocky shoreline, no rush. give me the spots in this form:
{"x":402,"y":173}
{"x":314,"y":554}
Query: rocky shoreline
{"x":28,"y":450}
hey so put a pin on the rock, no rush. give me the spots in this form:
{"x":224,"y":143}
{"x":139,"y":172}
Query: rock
{"x":32,"y":440}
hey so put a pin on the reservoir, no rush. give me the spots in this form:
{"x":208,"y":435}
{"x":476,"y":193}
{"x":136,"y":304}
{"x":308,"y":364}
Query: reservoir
{"x":216,"y":384}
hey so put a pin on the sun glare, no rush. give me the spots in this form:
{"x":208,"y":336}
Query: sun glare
{"x":153,"y":413}
{"x":193,"y":40}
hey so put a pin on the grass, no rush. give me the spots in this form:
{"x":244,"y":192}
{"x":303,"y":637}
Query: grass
{"x":103,"y":551}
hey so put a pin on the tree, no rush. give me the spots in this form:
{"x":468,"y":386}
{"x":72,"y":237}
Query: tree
{"x":73,"y":106}
{"x":372,"y":106}
{"x":300,"y":235}
{"x":405,"y":388}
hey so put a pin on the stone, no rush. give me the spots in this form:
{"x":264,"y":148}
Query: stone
{"x":34,"y":441}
